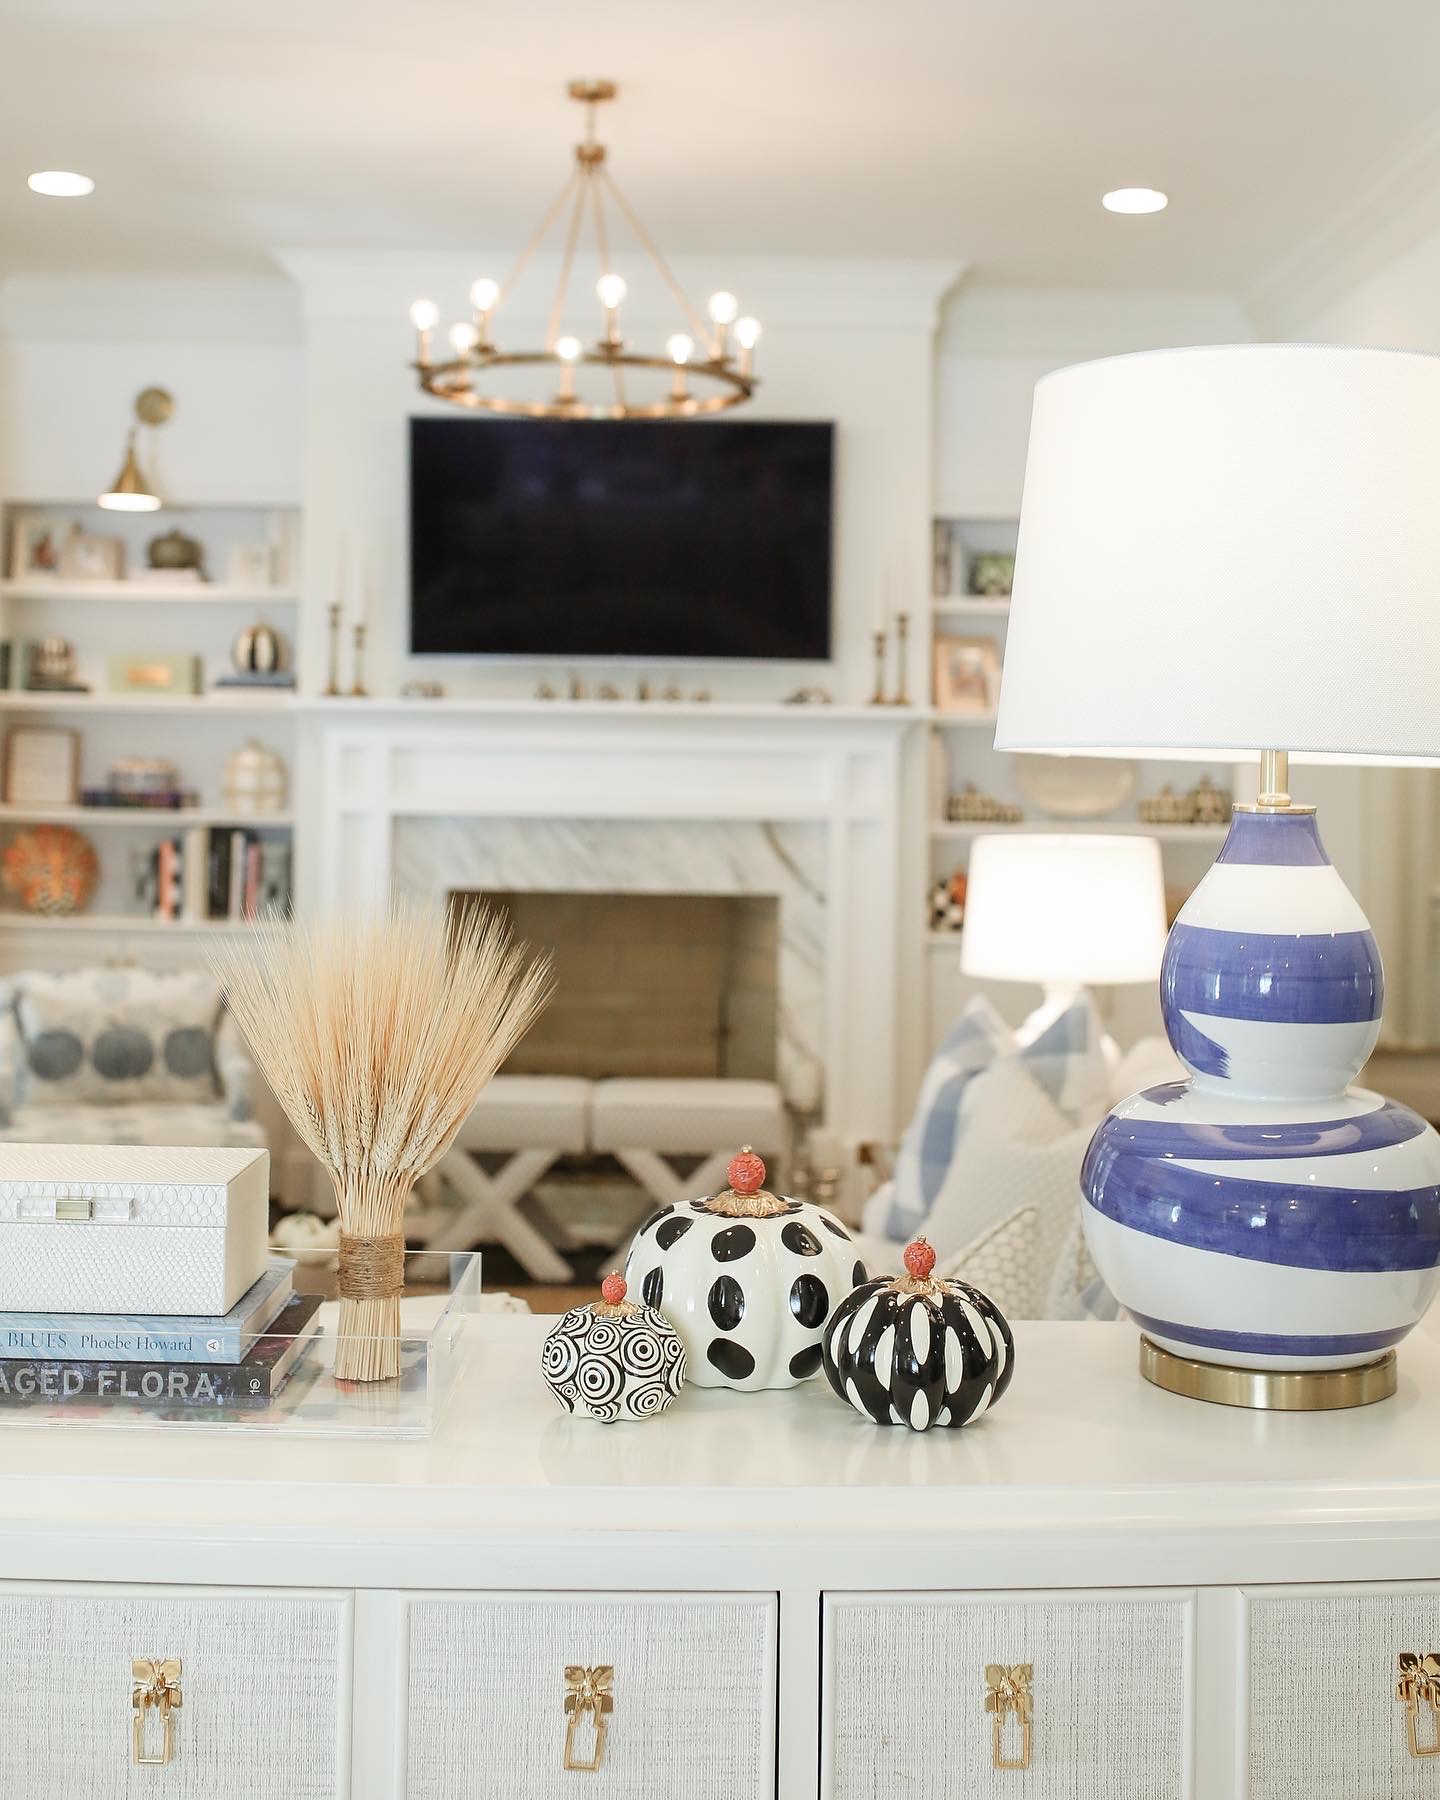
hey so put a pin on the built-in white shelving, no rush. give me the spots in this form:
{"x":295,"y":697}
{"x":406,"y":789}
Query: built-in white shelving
{"x":72,"y":572}
{"x":122,"y":922}
{"x":209,"y":704}
{"x":124,"y":593}
{"x":961,"y":606}
{"x":92,"y":816}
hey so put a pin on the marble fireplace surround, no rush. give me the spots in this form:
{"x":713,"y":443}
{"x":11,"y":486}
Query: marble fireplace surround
{"x":427,"y":797}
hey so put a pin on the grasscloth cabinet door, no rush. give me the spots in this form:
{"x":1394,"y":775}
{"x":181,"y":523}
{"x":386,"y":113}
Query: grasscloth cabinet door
{"x":264,"y":1686}
{"x":1324,"y":1721}
{"x":905,"y":1690}
{"x":691,"y":1686}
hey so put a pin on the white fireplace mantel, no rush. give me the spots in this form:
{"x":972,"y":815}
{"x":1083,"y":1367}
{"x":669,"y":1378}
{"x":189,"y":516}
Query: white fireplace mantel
{"x":839,"y":768}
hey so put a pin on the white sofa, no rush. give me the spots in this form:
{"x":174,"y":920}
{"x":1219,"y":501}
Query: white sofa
{"x":123,"y":1056}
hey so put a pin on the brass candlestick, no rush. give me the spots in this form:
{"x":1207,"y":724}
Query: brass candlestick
{"x":902,"y":679}
{"x":357,"y":692}
{"x":878,"y":697}
{"x":332,"y":686}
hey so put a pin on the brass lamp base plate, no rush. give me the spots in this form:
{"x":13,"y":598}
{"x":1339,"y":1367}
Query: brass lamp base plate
{"x":1273,"y":1390}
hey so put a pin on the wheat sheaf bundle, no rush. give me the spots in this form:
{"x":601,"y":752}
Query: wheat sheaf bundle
{"x":376,"y":1034}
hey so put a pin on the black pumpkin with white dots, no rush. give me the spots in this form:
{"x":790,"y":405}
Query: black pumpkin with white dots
{"x":747,"y":1278}
{"x":918,"y":1351}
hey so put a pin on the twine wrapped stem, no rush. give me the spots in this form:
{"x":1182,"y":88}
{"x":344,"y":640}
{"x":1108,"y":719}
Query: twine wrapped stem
{"x":372,"y":1280}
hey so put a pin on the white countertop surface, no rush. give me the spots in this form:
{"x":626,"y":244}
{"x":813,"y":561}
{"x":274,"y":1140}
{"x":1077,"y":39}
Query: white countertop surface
{"x":1080,"y":1443}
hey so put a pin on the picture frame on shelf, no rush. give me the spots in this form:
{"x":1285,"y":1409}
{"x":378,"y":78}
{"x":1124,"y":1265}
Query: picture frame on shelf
{"x":967,"y":676}
{"x":251,"y":566}
{"x":86,"y":556}
{"x":41,"y":766}
{"x":36,"y":544}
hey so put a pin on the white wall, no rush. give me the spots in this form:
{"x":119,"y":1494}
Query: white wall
{"x":75,"y":352}
{"x":994,"y":345}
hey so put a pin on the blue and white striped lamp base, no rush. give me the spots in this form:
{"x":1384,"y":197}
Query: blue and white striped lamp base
{"x":1264,"y":1214}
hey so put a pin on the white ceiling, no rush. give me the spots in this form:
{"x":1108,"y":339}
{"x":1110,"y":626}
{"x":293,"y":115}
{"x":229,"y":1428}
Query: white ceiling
{"x":979,"y":129}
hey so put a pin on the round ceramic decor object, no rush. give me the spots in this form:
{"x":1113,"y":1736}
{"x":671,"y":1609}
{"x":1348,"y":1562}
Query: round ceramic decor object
{"x":1076,"y":787}
{"x":254,"y":780}
{"x":613,"y":1359}
{"x":919,"y":1351}
{"x":258,"y":650}
{"x":747,"y":1278}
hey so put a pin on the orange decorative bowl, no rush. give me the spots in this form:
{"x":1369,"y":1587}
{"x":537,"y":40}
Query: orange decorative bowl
{"x":51,"y":868}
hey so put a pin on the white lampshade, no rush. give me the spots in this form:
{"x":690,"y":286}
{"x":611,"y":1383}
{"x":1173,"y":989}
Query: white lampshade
{"x":1063,"y":910}
{"x":1230,"y":549}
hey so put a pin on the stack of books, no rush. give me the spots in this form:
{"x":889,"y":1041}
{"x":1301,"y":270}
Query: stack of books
{"x":239,"y":1360}
{"x":215,"y":873}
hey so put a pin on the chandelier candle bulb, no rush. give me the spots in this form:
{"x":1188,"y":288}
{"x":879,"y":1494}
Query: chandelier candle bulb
{"x":569,"y":350}
{"x":610,"y":291}
{"x":723,"y":309}
{"x":423,"y":316}
{"x":747,"y":336}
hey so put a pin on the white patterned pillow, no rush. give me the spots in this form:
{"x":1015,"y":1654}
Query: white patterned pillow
{"x":111,"y":1037}
{"x":1001,"y":1263}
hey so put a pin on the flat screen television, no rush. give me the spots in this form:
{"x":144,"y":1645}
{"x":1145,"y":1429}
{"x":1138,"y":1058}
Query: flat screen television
{"x":657,"y":540}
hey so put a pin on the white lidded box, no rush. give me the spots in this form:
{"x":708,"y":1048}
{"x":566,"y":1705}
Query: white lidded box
{"x":119,"y":1228}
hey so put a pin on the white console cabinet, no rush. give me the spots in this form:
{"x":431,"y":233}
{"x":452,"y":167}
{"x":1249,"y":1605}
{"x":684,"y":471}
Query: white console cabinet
{"x":775,"y":1598}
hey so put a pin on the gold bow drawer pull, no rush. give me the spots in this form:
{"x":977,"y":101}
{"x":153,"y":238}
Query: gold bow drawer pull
{"x":156,"y":1690}
{"x":1419,"y":1686}
{"x":589,"y":1702}
{"x":1008,"y":1702}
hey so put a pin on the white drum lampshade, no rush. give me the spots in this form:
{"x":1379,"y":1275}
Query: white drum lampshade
{"x":1237,"y":549}
{"x":1227,"y":549}
{"x":1064,"y":910}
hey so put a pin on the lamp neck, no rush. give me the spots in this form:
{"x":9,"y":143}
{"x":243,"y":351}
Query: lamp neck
{"x":1274,"y":795}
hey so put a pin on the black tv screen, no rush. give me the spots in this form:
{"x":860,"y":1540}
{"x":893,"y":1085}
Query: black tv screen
{"x":656,"y":540}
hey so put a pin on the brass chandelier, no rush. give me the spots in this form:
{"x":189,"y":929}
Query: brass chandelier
{"x":709,"y":367}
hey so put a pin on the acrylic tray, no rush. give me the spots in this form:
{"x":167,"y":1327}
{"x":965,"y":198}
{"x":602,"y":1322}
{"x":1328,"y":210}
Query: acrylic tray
{"x":442,"y":1293}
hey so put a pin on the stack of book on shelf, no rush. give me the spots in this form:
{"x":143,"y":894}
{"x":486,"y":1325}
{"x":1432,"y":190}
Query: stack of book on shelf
{"x":141,"y":781}
{"x":240,"y":1360}
{"x":214,"y":872}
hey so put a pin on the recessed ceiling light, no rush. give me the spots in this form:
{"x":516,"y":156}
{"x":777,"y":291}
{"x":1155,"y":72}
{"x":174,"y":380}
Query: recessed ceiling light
{"x":61,"y":184}
{"x":1135,"y":200}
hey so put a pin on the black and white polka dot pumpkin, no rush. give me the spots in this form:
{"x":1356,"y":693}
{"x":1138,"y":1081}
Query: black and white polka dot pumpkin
{"x":614,"y":1359}
{"x":747,"y":1278}
{"x":919,"y":1351}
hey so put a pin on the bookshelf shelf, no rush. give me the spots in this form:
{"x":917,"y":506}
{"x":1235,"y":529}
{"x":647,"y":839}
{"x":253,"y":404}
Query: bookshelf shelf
{"x":971,"y":606}
{"x":148,"y":816}
{"x":122,"y":922}
{"x":116,"y":593}
{"x":206,"y":705}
